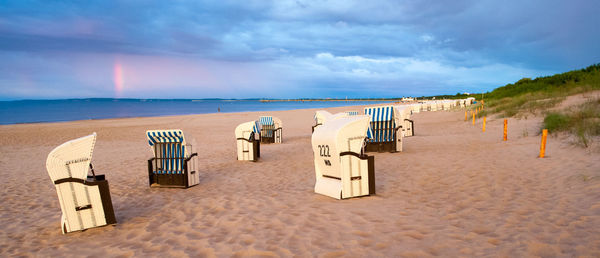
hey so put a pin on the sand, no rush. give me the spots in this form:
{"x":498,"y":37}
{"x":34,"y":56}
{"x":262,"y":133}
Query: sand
{"x":453,"y":191}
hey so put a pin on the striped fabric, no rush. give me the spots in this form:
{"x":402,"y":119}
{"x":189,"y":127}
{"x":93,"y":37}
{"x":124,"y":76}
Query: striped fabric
{"x":369,"y":133}
{"x":352,"y":113}
{"x":256,"y":128}
{"x":266,"y":120}
{"x":169,"y":149}
{"x":382,"y":123}
{"x":267,"y":126}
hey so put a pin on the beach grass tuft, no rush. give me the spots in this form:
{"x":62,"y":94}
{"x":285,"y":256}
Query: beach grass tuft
{"x":583,"y":121}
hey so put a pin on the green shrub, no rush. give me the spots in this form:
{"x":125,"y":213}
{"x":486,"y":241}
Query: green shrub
{"x":556,"y":122}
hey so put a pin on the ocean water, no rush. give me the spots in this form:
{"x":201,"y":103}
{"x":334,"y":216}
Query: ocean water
{"x":36,"y":111}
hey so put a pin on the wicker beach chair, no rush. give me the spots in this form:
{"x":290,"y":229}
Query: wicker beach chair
{"x":386,"y":128}
{"x":84,"y":200}
{"x":351,"y":113}
{"x":404,"y":112}
{"x":248,"y":141}
{"x":342,"y":169}
{"x":270,"y":129}
{"x":174,"y":163}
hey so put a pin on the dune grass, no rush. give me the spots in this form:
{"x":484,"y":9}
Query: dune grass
{"x":583,"y":121}
{"x":539,"y":95}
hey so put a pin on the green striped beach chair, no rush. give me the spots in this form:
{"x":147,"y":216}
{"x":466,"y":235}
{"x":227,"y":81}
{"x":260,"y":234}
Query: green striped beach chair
{"x":84,"y":200}
{"x":270,"y":129}
{"x":248,"y":141}
{"x":385,"y":127}
{"x":174,"y":163}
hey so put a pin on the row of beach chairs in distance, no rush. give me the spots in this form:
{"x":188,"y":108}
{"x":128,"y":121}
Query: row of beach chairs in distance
{"x":339,"y":142}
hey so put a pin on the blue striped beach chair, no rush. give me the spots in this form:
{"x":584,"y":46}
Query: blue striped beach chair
{"x":270,"y":129}
{"x":351,"y":113}
{"x":385,"y":129}
{"x":174,"y":162}
{"x":248,"y":140}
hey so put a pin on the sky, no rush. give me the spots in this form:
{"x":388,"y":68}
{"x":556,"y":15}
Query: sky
{"x":287,"y":49}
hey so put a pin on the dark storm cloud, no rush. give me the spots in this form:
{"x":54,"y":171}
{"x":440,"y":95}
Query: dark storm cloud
{"x":355,"y":47}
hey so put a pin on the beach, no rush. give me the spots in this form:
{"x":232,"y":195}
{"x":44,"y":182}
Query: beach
{"x":453,"y":191}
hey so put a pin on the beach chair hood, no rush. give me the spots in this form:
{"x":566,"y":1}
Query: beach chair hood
{"x":71,"y":159}
{"x":245,"y":130}
{"x":322,"y":116}
{"x":165,"y":136}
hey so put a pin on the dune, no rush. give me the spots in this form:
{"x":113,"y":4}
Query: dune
{"x":453,"y":191}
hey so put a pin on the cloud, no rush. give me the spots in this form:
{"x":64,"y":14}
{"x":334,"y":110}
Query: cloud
{"x":377,"y":47}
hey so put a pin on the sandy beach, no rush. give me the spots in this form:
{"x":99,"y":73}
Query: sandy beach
{"x":453,"y":191}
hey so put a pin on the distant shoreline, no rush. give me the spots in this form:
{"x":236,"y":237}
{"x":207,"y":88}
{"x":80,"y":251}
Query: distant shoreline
{"x":302,"y":100}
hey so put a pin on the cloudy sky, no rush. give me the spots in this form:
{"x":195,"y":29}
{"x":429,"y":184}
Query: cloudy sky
{"x":287,"y":49}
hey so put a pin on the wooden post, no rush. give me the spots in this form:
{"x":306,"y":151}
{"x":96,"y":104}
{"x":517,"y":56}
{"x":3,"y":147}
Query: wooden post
{"x":473,"y":118}
{"x":466,"y":115}
{"x":483,"y":129}
{"x":543,"y":145}
{"x":505,"y":129}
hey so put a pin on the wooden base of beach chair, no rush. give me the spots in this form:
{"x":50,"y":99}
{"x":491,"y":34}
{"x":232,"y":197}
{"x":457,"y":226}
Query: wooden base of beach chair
{"x":265,"y":139}
{"x":183,"y":179}
{"x":248,"y":149}
{"x":381,"y":147}
{"x":109,"y":212}
{"x":169,"y":181}
{"x":271,"y":136}
{"x":99,"y":192}
{"x":363,"y":184}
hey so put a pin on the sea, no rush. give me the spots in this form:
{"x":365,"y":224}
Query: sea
{"x":38,"y":111}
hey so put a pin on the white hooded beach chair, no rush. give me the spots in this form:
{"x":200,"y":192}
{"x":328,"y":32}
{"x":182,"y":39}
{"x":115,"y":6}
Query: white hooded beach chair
{"x":320,"y":117}
{"x":270,"y":129}
{"x":407,"y":124}
{"x":386,"y":128}
{"x":84,"y":200}
{"x":174,"y":163}
{"x":447,"y":104}
{"x":469,"y":101}
{"x":415,"y":108}
{"x":342,"y":169}
{"x":323,"y":116}
{"x":248,"y":146}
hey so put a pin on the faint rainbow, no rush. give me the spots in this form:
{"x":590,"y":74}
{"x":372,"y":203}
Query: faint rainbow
{"x":118,"y":78}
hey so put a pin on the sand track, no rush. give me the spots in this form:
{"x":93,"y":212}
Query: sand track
{"x":454,"y":191}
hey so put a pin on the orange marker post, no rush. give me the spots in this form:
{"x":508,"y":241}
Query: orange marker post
{"x":483,"y":128}
{"x":466,"y":116}
{"x":473,"y":118}
{"x":505,"y":129}
{"x":543,"y":144}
